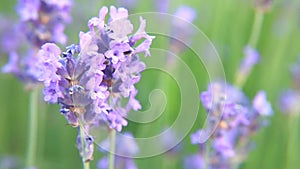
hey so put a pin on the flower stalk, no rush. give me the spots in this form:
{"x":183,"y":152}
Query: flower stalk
{"x":256,"y":28}
{"x":112,"y":149}
{"x":32,"y":128}
{"x":86,"y":163}
{"x":243,"y":73}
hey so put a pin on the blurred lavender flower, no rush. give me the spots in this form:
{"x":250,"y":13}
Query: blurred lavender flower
{"x":162,"y":6}
{"x":125,"y":147}
{"x":295,"y":71}
{"x":181,"y":31}
{"x":290,"y":98}
{"x":41,"y":21}
{"x":229,"y":108}
{"x":289,"y":102}
{"x":263,"y":5}
{"x":194,"y":161}
{"x":9,"y":162}
{"x":252,"y":57}
{"x":91,"y":80}
{"x":261,"y":105}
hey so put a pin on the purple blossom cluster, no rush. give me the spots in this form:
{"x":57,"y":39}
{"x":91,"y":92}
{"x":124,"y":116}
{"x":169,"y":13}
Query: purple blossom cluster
{"x":93,"y":81}
{"x":237,"y":120}
{"x":41,"y":21}
{"x":290,"y":98}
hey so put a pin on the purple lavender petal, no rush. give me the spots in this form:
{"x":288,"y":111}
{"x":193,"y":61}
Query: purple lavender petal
{"x":141,"y":34}
{"x":52,"y":93}
{"x":117,"y":14}
{"x":116,"y":120}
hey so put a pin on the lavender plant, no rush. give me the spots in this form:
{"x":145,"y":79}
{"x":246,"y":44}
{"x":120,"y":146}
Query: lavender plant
{"x":41,"y":21}
{"x":230,"y":141}
{"x":289,"y":99}
{"x":289,"y":105}
{"x":92,"y":80}
{"x":236,"y":119}
{"x":230,"y":110}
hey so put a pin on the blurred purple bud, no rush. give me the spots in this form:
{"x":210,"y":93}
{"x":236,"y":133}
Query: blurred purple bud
{"x":252,"y":57}
{"x":186,"y":13}
{"x":261,"y":105}
{"x":289,"y":102}
{"x":162,"y":6}
{"x":195,"y":161}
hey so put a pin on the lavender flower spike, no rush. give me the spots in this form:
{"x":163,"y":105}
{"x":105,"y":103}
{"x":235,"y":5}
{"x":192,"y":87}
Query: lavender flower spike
{"x":229,"y":109}
{"x":252,"y":57}
{"x":41,"y":21}
{"x":91,"y":80}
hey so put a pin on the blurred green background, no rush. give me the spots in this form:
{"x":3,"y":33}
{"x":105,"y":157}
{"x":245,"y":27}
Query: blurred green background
{"x":228,"y":25}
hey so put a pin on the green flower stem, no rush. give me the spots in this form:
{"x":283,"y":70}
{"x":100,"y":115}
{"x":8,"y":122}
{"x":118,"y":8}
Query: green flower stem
{"x":112,"y":149}
{"x":255,"y":33}
{"x":292,"y":140}
{"x":207,"y":154}
{"x":256,"y":28}
{"x":86,"y":163}
{"x":32,"y":128}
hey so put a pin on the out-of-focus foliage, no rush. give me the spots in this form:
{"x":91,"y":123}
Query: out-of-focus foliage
{"x":228,"y":24}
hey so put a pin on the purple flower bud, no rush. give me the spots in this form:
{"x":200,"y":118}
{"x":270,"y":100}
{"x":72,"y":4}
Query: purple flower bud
{"x":162,"y":6}
{"x":184,"y":12}
{"x":252,"y":57}
{"x":261,"y":105}
{"x":87,"y":154}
